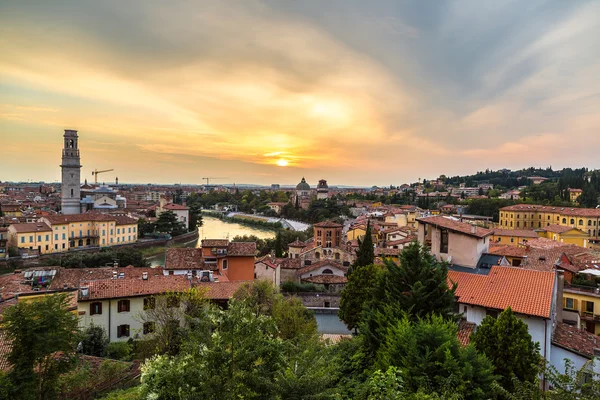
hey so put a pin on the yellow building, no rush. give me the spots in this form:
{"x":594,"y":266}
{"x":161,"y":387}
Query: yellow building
{"x":531,"y":216}
{"x":512,"y":237}
{"x":59,"y":233}
{"x":582,"y":308}
{"x":574,"y":194}
{"x":565,"y":234}
{"x":359,"y":232}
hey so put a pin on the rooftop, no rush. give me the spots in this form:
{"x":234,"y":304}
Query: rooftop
{"x":456,"y":226}
{"x":575,"y":340}
{"x":327,"y":224}
{"x":183,"y":258}
{"x":516,"y":233}
{"x":215,"y":242}
{"x":527,"y":292}
{"x":570,"y":211}
{"x":131,"y":287}
{"x":241,"y":249}
{"x":31,"y":228}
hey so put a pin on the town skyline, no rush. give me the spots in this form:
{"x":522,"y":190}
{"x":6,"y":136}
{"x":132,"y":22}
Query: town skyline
{"x":267,"y":92}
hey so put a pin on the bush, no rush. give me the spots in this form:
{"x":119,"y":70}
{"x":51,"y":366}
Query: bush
{"x":119,"y":351}
{"x":294,"y":287}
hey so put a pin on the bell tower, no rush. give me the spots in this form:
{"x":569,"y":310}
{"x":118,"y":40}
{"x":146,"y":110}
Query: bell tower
{"x":71,"y":170}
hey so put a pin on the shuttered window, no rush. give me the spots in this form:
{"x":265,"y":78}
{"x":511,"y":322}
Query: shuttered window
{"x":123,"y":306}
{"x":96,"y":308}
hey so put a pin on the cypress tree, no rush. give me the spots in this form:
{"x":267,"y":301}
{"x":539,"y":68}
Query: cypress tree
{"x":278,"y":245}
{"x":365,"y":255}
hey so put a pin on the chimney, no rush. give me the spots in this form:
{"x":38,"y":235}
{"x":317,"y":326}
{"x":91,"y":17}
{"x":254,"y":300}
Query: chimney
{"x":145,"y":276}
{"x":473,"y":229}
{"x":84,"y":291}
{"x":115,"y":274}
{"x":560,"y":275}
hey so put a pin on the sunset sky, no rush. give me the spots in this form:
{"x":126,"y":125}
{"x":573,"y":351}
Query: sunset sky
{"x":355,"y":92}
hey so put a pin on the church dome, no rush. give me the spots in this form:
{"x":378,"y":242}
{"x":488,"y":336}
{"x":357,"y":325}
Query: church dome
{"x":303,"y":185}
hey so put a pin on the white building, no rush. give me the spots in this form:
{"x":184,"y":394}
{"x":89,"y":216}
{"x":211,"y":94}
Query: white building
{"x":264,"y":269}
{"x":182,"y":212}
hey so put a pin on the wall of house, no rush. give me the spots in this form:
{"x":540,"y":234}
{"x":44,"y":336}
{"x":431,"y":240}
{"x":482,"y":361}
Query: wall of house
{"x":580,"y":300}
{"x":319,"y":271}
{"x":464,"y":250}
{"x":240,"y":268}
{"x":289,"y":275}
{"x":558,"y":355}
{"x":264,"y":272}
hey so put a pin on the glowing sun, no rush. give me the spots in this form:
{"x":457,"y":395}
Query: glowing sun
{"x":282,"y":163}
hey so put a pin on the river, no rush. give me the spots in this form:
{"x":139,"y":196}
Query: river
{"x":214,"y":228}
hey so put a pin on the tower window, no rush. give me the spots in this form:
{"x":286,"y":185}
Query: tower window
{"x":71,"y":192}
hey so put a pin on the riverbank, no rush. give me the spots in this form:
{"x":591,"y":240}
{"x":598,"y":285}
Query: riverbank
{"x":245,"y":220}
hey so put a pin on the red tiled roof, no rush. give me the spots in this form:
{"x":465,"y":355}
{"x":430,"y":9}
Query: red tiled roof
{"x":183,"y":258}
{"x":525,"y":291}
{"x":465,"y":330}
{"x":387,"y":252}
{"x":117,"y":288}
{"x":508,"y":251}
{"x":575,"y":340}
{"x":241,"y":249}
{"x":215,"y":242}
{"x":71,"y":278}
{"x":320,"y":264}
{"x":326,"y":279}
{"x":516,"y":233}
{"x":32,"y":227}
{"x":297,"y":243}
{"x":220,"y":290}
{"x":554,"y":228}
{"x":172,"y":206}
{"x":124,"y":220}
{"x":288,"y":263}
{"x":456,"y":226}
{"x":89,"y":216}
{"x":327,"y":224}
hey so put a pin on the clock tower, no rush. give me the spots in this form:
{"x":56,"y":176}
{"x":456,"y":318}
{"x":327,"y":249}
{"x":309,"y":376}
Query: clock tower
{"x":71,"y":169}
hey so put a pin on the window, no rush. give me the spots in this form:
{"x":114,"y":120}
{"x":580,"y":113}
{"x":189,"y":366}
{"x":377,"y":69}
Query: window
{"x":56,"y":236}
{"x":30,"y":239}
{"x":570,"y":303}
{"x":512,"y":240}
{"x":589,"y":307}
{"x":492,"y":313}
{"x":444,"y":242}
{"x":22,"y":239}
{"x":123,"y":331}
{"x":47,"y":237}
{"x":64,"y":236}
{"x":148,"y":327}
{"x":327,"y":271}
{"x":317,"y":255}
{"x":518,"y":225}
{"x":96,"y":308}
{"x":580,"y":222}
{"x":564,"y":221}
{"x":589,"y":222}
{"x":123,"y":306}
{"x":149,"y":303}
{"x":172,"y":301}
{"x":225,"y":266}
{"x":337,"y":256}
{"x":572,"y":221}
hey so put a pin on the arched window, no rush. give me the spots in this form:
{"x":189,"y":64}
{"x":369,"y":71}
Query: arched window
{"x":317,"y":255}
{"x":580,"y":222}
{"x":572,"y":221}
{"x":589,"y":222}
{"x":564,"y":220}
{"x":327,"y":272}
{"x":337,"y":256}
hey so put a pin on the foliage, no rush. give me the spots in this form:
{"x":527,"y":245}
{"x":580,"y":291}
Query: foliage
{"x":385,"y":385}
{"x":357,"y":293}
{"x":507,"y":343}
{"x":168,"y":222}
{"x":38,"y":330}
{"x":575,"y":384}
{"x":106,"y":256}
{"x":294,"y":287}
{"x":266,"y":246}
{"x":13,"y":251}
{"x":278,"y":245}
{"x":417,"y":287}
{"x":365,"y":255}
{"x":94,"y":341}
{"x":119,"y":351}
{"x":83,"y":379}
{"x":173,"y":316}
{"x":128,"y":394}
{"x":145,"y":227}
{"x":430,"y":358}
{"x":589,"y":197}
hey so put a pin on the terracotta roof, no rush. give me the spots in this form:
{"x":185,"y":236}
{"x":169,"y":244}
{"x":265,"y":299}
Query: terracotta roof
{"x":575,"y":340}
{"x":183,"y":258}
{"x":508,"y":251}
{"x":220,"y":290}
{"x":465,"y":330}
{"x":327,"y":224}
{"x":570,"y":211}
{"x":297,"y":243}
{"x":172,"y":206}
{"x":71,"y":278}
{"x":326,"y":279}
{"x":558,"y":228}
{"x":516,"y":233}
{"x":117,"y":288}
{"x":215,"y":242}
{"x":399,"y":241}
{"x":575,"y":190}
{"x":456,"y":226}
{"x":387,"y":252}
{"x":525,"y":291}
{"x":243,"y":249}
{"x":320,"y":264}
{"x":90,"y":216}
{"x":267,"y":261}
{"x":30,"y":228}
{"x":288,"y":263}
{"x":124,"y":220}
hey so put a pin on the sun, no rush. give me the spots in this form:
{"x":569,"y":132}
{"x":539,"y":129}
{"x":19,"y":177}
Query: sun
{"x":282,"y":162}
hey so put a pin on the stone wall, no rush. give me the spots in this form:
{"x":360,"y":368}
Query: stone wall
{"x":326,"y":300}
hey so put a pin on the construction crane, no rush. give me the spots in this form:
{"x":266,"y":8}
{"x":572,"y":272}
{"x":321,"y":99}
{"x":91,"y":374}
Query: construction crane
{"x":96,"y":172}
{"x":211,"y":177}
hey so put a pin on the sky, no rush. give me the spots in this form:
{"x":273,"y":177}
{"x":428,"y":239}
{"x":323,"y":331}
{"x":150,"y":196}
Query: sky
{"x":356,"y":92}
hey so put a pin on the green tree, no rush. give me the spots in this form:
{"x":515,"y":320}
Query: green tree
{"x":507,"y":343}
{"x":39,"y":330}
{"x":431,"y":359}
{"x":94,"y":341}
{"x":145,"y":227}
{"x":278,"y":245}
{"x":573,"y":384}
{"x":365,"y":255}
{"x":417,"y":287}
{"x":589,"y":197}
{"x":167,"y":222}
{"x":357,"y":293}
